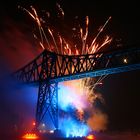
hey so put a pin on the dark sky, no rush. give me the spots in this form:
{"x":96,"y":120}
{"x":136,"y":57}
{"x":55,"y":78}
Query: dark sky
{"x":121,"y":91}
{"x":125,"y":14}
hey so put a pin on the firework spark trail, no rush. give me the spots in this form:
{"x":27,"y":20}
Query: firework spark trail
{"x":84,"y":37}
{"x":60,"y":9}
{"x":94,"y":40}
{"x":53,"y":39}
{"x":85,"y":97}
{"x":101,"y":77}
{"x":94,"y":47}
{"x":37,"y":20}
{"x":106,"y":41}
{"x":61,"y":45}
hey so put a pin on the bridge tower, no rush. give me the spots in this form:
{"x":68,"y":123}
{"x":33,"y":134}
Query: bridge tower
{"x":47,"y":102}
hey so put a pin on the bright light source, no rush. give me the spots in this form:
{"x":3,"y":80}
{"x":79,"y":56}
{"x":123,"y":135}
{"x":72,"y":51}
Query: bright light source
{"x":100,"y":83}
{"x":33,"y":123}
{"x":51,"y":131}
{"x":90,"y":137}
{"x":125,"y":60}
{"x":30,"y":136}
{"x":43,"y":124}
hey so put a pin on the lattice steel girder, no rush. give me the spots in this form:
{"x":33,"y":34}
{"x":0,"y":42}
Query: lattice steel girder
{"x":48,"y":66}
{"x":97,"y":73}
{"x":47,"y":102}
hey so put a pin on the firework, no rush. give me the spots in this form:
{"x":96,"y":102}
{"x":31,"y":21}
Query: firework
{"x":60,"y":44}
{"x":76,"y":94}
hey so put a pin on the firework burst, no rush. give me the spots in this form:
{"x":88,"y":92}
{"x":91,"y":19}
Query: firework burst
{"x":56,"y":41}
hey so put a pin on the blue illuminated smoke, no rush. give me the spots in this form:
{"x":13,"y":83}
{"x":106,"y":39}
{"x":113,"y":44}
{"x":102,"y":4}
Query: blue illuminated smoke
{"x":73,"y":128}
{"x":68,"y":96}
{"x":68,"y":121}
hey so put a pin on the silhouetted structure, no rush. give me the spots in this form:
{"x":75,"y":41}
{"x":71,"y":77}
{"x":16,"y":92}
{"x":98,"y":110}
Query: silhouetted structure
{"x":49,"y":68}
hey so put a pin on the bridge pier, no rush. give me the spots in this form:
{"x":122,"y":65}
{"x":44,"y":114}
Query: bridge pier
{"x":47,"y":103}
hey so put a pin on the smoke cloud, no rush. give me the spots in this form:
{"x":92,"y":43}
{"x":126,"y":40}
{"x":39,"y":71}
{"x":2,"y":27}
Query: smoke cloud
{"x":77,"y":101}
{"x":98,"y":121}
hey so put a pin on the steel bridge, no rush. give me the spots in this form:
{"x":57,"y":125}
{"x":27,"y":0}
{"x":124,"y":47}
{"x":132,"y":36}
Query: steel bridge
{"x":50,"y":68}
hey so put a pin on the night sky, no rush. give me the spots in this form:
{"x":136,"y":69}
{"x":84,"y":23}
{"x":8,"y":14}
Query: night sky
{"x":120,"y":91}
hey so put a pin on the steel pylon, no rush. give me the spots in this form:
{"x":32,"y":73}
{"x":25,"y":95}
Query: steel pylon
{"x":47,"y":103}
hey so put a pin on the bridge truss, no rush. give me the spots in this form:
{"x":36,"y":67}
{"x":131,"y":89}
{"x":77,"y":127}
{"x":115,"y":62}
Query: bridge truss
{"x":48,"y":69}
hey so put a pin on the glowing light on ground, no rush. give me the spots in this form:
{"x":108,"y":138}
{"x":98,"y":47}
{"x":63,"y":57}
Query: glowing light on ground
{"x":30,"y":136}
{"x":90,"y":137}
